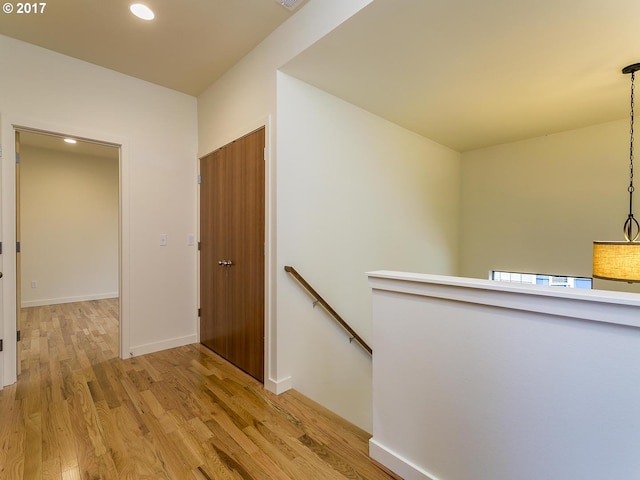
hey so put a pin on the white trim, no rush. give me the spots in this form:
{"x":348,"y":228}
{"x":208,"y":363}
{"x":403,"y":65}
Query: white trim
{"x":163,"y":345}
{"x":57,"y":301}
{"x":278,"y":386}
{"x":8,"y":124}
{"x":595,"y":305}
{"x":197,"y":249}
{"x":9,"y":254}
{"x":126,"y":240}
{"x":271,"y":272}
{"x":396,"y":463}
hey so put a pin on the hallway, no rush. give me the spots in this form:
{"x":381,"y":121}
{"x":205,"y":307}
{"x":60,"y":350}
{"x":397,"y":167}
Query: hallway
{"x":79,"y":412}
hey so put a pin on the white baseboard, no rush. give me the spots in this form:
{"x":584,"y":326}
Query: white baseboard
{"x":57,"y":301}
{"x":396,"y":463}
{"x":278,"y":386}
{"x":134,"y":351}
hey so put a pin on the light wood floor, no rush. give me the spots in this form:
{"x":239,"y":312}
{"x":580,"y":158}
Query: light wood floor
{"x":79,"y":412}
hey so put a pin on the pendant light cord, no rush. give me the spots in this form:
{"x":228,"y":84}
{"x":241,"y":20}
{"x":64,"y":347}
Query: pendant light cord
{"x":632,"y":117}
{"x":631,"y":221}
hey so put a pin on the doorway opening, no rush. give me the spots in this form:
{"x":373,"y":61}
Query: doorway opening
{"x":67,"y":222}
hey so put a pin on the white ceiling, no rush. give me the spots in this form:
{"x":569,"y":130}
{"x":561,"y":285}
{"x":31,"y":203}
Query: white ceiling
{"x":464,"y":73}
{"x":470,"y":73}
{"x":186,"y":47}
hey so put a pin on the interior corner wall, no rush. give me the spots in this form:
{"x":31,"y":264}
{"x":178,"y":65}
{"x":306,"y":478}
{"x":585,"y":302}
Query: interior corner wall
{"x":355,"y":193}
{"x":536,"y":206}
{"x":245,"y":96}
{"x":247,"y":91}
{"x":69,"y":226}
{"x":158,"y":129}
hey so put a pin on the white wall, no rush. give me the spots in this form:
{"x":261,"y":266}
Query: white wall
{"x":244,"y":99}
{"x":157,"y":130}
{"x":355,"y":193}
{"x":537,"y":205}
{"x":504,"y":382}
{"x":355,"y":185}
{"x":69,"y":226}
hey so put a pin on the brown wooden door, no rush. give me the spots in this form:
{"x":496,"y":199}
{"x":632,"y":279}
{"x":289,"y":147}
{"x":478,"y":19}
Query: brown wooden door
{"x":213,"y":221}
{"x":232,"y":252}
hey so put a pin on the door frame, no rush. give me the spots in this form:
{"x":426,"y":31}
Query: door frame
{"x":8,"y":311}
{"x":271,"y":272}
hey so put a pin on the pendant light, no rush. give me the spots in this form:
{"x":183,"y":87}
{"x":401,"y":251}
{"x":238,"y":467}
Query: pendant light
{"x":621,"y":260}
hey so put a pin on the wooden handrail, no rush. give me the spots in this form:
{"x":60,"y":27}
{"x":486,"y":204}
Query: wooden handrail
{"x":328,"y":308}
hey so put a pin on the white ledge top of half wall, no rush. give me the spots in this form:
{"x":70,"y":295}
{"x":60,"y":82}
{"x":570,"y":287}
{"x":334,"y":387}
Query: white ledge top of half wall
{"x":596,"y":305}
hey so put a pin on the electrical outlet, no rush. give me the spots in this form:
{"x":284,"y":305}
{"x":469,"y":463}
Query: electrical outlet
{"x":34,"y":283}
{"x":163,"y":239}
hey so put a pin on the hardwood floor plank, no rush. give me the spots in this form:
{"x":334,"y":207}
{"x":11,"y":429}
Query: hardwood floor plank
{"x":84,"y":428}
{"x":278,"y":452}
{"x":148,"y":367}
{"x":51,"y":467}
{"x":71,"y":474}
{"x":13,"y":435}
{"x":78,"y":412}
{"x":55,"y":382}
{"x":64,"y":437}
{"x":117,"y":449}
{"x":138,"y":460}
{"x":33,"y":445}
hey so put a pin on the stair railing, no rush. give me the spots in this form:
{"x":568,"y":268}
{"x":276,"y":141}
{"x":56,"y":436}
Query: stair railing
{"x":319,"y":300}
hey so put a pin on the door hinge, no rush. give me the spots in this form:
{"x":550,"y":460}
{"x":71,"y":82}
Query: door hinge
{"x":199,"y":247}
{"x":18,"y":336}
{"x":1,"y":345}
{"x":17,"y":157}
{"x":17,"y":247}
{"x":264,"y":154}
{"x":199,"y":312}
{"x":0,"y":248}
{"x":199,"y":179}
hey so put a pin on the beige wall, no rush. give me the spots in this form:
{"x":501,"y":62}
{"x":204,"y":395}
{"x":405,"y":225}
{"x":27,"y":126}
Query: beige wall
{"x":537,"y":205}
{"x":69,"y":226}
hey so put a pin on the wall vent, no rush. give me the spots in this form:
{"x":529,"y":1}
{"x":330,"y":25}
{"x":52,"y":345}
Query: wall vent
{"x":290,"y":4}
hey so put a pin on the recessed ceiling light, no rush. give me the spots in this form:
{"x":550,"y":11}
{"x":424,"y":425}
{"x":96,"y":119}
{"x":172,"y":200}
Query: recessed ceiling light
{"x":142,"y":11}
{"x":70,"y":140}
